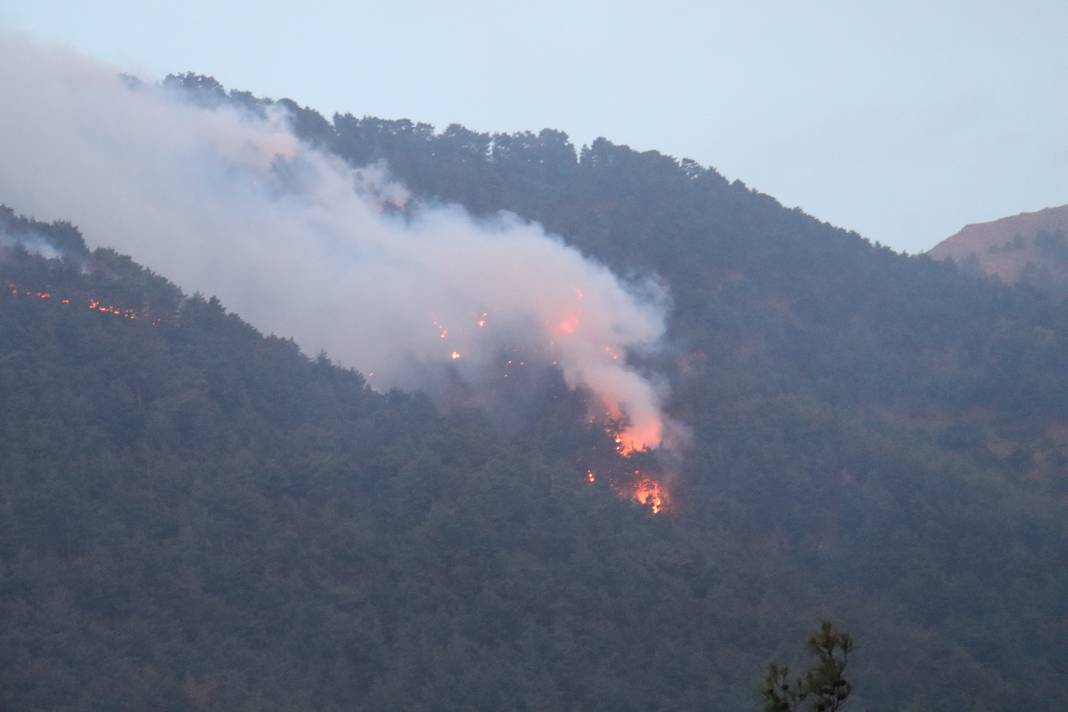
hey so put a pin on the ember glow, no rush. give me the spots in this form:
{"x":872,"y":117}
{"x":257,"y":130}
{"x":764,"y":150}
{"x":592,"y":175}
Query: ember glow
{"x":634,"y":437}
{"x":630,"y":474}
{"x":569,"y":325}
{"x":639,"y":487}
{"x":649,"y":492}
{"x":93,"y":304}
{"x":626,"y":398}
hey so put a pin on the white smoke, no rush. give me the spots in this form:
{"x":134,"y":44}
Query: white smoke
{"x":34,"y":244}
{"x":298,"y":244}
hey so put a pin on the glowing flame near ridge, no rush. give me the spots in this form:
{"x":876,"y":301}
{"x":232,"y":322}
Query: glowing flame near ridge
{"x":569,"y":325}
{"x":650,"y":492}
{"x":634,"y":438}
{"x":643,"y":430}
{"x":642,"y":488}
{"x":634,"y":483}
{"x":628,"y":437}
{"x":93,"y":304}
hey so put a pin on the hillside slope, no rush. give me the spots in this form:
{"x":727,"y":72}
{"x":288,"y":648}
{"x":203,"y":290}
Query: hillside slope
{"x":195,"y":516}
{"x":224,"y":522}
{"x":1029,"y":248}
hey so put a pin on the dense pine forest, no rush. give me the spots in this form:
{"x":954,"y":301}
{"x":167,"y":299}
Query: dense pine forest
{"x":194,"y":515}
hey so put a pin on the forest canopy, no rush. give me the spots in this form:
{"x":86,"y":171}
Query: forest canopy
{"x":196,"y":515}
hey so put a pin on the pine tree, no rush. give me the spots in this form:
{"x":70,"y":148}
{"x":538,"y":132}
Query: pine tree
{"x":823,"y":688}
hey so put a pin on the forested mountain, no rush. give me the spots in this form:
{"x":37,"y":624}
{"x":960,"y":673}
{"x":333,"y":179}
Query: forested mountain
{"x":1029,"y":248}
{"x":197,"y":516}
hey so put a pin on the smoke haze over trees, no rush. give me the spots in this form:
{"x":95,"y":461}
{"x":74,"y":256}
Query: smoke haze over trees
{"x":195,"y":515}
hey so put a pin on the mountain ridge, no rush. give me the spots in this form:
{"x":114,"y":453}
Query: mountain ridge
{"x":1027,"y":248}
{"x":198,"y":515}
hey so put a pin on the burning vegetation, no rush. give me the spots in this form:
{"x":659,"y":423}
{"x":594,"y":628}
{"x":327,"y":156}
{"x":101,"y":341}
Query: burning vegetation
{"x":640,"y":487}
{"x":92,"y":304}
{"x":622,"y":477}
{"x":637,"y":484}
{"x":632,"y":444}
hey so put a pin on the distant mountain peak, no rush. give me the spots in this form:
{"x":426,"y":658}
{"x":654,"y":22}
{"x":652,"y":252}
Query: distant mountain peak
{"x":1029,"y":248}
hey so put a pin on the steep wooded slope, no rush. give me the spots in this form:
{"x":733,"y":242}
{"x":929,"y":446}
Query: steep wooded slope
{"x":877,"y":439}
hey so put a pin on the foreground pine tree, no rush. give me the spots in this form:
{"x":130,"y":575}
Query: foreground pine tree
{"x":823,"y":688}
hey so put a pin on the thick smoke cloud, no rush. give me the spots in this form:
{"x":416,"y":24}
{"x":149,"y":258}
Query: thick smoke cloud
{"x":293,"y":240}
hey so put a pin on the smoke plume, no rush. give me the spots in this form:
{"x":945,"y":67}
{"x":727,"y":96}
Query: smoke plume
{"x":34,"y":244}
{"x":299,"y":244}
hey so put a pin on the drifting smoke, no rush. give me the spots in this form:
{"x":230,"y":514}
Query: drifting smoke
{"x":299,"y":244}
{"x":34,"y":244}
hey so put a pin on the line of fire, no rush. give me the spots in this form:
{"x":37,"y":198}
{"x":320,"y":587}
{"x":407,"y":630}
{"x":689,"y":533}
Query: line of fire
{"x":93,"y":304}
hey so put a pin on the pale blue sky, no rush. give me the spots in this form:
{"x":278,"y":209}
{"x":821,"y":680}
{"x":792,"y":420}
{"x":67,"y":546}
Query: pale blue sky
{"x":902,"y":120}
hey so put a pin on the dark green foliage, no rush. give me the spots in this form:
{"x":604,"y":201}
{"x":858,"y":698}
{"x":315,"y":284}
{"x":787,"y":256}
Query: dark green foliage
{"x":59,"y":236}
{"x":195,"y":516}
{"x":792,"y":302}
{"x":202,"y":90}
{"x":824,"y":687}
{"x":1053,"y":245}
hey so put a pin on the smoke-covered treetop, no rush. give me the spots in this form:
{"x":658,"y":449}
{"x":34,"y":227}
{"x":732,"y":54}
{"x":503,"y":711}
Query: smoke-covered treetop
{"x":773,"y":296}
{"x":230,"y":201}
{"x":52,"y":239}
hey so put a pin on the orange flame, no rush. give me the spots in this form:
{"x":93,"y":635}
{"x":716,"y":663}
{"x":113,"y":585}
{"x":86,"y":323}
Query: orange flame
{"x":93,"y":304}
{"x":569,"y":325}
{"x":633,"y":440}
{"x":641,"y":487}
{"x":650,"y":492}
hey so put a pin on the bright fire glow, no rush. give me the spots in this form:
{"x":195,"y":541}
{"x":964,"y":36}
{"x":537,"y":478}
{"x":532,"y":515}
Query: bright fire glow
{"x":642,"y":488}
{"x":649,"y":492}
{"x":621,"y":395}
{"x":636,"y":485}
{"x":93,"y":304}
{"x":569,"y":325}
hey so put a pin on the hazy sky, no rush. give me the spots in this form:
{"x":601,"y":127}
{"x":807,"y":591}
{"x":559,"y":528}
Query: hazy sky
{"x":902,"y":120}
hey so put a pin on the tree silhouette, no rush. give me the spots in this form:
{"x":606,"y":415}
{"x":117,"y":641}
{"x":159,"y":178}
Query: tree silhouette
{"x":823,"y":688}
